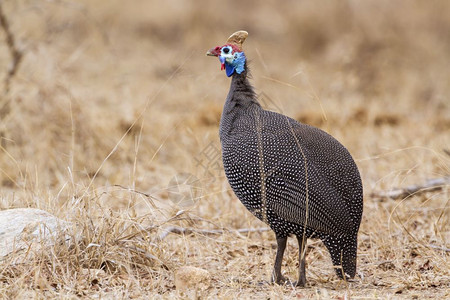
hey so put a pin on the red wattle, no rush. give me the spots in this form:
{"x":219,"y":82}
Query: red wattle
{"x":222,"y":67}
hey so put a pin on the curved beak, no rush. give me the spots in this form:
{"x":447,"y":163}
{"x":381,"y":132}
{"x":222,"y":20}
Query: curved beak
{"x":212,"y":52}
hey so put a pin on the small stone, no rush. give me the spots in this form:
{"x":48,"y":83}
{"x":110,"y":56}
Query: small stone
{"x":188,"y":277}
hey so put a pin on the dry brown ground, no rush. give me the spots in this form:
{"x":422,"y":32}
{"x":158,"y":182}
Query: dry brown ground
{"x":112,"y":101}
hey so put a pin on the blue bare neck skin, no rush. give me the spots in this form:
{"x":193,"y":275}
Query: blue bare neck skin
{"x":237,"y":66}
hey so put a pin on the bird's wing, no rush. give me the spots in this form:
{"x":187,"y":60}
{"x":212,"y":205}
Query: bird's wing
{"x":306,"y":199}
{"x":303,"y":180}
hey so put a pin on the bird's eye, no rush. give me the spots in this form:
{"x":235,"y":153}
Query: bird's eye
{"x":226,"y":50}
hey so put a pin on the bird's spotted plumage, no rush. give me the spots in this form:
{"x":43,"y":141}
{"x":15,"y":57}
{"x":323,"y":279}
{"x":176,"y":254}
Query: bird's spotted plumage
{"x":296,"y":178}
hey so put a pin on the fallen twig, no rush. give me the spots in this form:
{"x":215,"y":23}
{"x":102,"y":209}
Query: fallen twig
{"x":181,"y":230}
{"x":439,"y":248}
{"x":416,"y":189}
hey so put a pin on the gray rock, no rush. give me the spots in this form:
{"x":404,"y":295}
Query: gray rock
{"x":22,"y":228}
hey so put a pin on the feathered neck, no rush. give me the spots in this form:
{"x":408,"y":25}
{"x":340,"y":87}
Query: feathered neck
{"x":241,"y":92}
{"x":241,"y":101}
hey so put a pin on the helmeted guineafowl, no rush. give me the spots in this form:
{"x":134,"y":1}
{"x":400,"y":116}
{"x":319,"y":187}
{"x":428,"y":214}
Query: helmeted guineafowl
{"x":294,"y":177}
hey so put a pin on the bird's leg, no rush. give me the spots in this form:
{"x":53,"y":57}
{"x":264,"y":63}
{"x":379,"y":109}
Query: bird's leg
{"x":301,"y":261}
{"x":276,"y":275}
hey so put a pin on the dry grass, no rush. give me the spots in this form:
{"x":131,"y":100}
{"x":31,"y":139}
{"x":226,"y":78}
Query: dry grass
{"x":111,"y":102}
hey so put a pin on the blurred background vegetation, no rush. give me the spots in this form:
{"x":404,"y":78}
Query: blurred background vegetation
{"x":91,"y":69}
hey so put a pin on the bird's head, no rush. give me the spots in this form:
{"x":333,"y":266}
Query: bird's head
{"x":230,"y":55}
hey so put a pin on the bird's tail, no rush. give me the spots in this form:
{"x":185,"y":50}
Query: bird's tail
{"x":343,"y":254}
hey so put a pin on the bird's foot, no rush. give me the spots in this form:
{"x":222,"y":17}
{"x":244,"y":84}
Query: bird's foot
{"x":300,"y":283}
{"x":281,"y":280}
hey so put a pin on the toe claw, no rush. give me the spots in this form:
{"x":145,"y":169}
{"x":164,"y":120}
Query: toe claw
{"x":299,"y":283}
